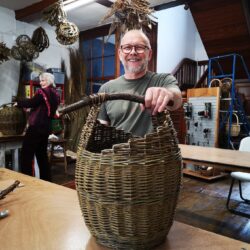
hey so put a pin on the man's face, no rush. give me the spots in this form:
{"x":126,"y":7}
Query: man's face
{"x":134,"y":53}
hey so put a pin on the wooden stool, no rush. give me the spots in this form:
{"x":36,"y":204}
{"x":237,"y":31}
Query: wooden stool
{"x":53,"y":158}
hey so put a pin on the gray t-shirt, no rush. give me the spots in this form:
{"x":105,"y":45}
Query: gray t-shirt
{"x":127,"y":115}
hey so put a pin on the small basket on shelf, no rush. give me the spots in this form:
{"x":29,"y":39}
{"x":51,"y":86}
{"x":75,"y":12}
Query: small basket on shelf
{"x":235,"y":127}
{"x":128,"y":186}
{"x":209,"y":171}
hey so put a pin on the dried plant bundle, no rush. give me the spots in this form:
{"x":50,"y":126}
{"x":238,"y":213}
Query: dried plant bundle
{"x":75,"y":85}
{"x":129,"y":14}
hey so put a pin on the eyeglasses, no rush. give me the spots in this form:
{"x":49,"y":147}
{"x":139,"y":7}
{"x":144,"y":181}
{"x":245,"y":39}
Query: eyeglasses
{"x":126,"y":49}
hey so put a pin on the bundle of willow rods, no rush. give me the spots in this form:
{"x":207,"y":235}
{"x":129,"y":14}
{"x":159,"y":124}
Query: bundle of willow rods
{"x":128,"y":15}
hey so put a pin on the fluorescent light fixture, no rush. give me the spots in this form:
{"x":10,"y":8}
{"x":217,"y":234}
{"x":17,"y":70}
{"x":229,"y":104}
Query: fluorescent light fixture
{"x":72,"y":4}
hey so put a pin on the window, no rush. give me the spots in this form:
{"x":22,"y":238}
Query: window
{"x":101,"y":59}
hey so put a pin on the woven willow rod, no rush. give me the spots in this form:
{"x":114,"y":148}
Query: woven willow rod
{"x":102,"y":97}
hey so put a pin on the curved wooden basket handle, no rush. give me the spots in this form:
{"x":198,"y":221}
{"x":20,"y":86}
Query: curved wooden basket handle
{"x":236,"y":116}
{"x":98,"y":99}
{"x":214,"y":82}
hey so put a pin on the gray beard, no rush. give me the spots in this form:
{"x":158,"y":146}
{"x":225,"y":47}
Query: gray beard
{"x":137,"y":69}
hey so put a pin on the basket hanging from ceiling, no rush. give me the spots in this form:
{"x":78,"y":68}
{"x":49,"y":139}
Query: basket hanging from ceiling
{"x":12,"y":120}
{"x":127,"y":187}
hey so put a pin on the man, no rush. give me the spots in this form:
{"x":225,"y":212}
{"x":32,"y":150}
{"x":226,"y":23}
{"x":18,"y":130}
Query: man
{"x":135,"y":53}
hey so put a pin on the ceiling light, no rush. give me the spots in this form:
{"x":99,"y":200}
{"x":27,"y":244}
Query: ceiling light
{"x":72,"y":4}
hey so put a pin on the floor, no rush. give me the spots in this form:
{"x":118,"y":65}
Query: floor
{"x":201,"y":204}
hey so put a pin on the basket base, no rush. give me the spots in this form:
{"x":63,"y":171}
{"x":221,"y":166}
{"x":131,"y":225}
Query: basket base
{"x":139,"y":245}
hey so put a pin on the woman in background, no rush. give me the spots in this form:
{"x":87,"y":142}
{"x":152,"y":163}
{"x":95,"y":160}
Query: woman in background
{"x":43,"y":108}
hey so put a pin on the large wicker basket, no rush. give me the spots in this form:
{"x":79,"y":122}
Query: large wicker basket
{"x":12,"y":120}
{"x":128,"y":187}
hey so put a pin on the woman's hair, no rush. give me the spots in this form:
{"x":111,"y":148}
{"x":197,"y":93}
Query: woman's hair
{"x":49,"y":78}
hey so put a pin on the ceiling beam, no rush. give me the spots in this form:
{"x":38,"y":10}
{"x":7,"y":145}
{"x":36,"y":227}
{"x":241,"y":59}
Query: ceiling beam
{"x":33,"y":9}
{"x":170,"y":4}
{"x":105,"y":3}
{"x":246,"y":9}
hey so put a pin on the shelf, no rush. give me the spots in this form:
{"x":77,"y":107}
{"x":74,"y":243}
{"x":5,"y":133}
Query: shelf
{"x":226,"y":99}
{"x":31,"y":87}
{"x":226,"y":111}
{"x":198,"y":175}
{"x":221,"y":76}
{"x":35,"y":83}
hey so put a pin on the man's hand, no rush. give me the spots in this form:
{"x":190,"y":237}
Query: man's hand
{"x":157,"y":99}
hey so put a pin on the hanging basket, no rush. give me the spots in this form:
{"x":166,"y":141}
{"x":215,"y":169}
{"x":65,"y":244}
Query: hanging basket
{"x":235,"y":127}
{"x":12,"y":120}
{"x":128,"y":187}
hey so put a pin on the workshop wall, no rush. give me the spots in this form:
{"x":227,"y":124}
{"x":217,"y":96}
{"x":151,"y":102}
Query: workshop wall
{"x":178,"y":38}
{"x":10,"y":29}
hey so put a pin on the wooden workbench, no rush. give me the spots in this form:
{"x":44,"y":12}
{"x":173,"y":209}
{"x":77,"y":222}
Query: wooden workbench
{"x":47,"y":216}
{"x":223,"y":159}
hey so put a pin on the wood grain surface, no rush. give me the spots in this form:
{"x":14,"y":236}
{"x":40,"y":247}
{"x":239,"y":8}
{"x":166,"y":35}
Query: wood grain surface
{"x":47,"y":216}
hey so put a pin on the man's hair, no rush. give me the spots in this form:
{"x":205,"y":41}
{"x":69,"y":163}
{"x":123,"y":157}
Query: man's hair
{"x":141,"y":33}
{"x":48,"y":77}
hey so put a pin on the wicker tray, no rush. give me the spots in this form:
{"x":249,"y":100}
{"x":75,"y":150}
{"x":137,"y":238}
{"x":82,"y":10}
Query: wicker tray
{"x":128,"y":187}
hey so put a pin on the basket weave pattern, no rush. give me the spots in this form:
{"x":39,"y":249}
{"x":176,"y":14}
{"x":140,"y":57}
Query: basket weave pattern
{"x":128,"y":188}
{"x":12,"y":120}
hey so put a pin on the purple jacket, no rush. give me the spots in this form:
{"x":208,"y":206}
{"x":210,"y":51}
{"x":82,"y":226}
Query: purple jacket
{"x":43,"y":108}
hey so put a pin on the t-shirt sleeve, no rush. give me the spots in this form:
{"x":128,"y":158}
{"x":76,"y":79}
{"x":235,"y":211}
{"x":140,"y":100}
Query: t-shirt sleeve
{"x":169,"y":81}
{"x":103,"y":112}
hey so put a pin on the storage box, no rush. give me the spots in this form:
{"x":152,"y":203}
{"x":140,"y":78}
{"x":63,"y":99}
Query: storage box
{"x":53,"y":70}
